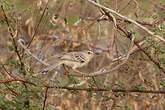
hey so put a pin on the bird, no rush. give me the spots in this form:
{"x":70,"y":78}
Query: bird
{"x":76,"y":59}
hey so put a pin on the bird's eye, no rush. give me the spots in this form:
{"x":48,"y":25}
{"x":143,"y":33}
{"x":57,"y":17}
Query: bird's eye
{"x":89,"y":52}
{"x":82,"y":61}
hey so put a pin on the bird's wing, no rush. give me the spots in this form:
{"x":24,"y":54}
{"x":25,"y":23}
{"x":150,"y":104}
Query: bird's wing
{"x":74,"y":56}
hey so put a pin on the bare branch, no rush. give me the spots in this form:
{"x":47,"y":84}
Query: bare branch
{"x":15,"y":80}
{"x":45,"y":98}
{"x":20,"y":41}
{"x":13,"y":38}
{"x":128,"y":19}
{"x":36,"y":29}
{"x":110,"y":90}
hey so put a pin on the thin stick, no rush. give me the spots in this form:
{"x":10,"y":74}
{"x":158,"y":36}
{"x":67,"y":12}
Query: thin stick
{"x":16,"y":80}
{"x":20,"y":41}
{"x":128,"y":19}
{"x":110,"y":90}
{"x":13,"y":38}
{"x":45,"y":98}
{"x":36,"y":29}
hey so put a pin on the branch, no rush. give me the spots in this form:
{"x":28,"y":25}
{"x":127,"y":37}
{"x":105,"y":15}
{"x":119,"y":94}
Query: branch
{"x":45,"y":98}
{"x":150,"y":58}
{"x":21,"y":41}
{"x":16,"y":80}
{"x":36,"y":29}
{"x":111,"y":90}
{"x":106,"y":71}
{"x":129,"y":20}
{"x":13,"y":38}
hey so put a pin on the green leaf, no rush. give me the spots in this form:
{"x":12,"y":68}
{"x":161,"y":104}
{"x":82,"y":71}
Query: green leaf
{"x":72,"y":19}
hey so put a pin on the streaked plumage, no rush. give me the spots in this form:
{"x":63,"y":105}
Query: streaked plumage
{"x":73,"y":60}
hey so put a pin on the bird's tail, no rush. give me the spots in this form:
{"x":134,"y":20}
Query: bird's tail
{"x":51,"y":67}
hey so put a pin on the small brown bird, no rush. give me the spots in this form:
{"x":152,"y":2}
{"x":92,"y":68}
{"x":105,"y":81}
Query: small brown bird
{"x":72,"y":59}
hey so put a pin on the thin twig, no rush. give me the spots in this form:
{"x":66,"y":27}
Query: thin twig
{"x":103,"y":11}
{"x":128,"y":19}
{"x":92,"y":89}
{"x":106,"y":71}
{"x":13,"y":38}
{"x":12,"y":90}
{"x":151,"y":59}
{"x":36,"y":29}
{"x":126,"y":6}
{"x":20,"y":41}
{"x":138,"y":45}
{"x":7,"y":72}
{"x":45,"y":98}
{"x":16,"y":80}
{"x":110,"y":44}
{"x":111,"y":90}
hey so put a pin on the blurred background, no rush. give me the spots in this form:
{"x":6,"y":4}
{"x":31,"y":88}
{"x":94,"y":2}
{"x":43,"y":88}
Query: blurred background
{"x":53,"y":27}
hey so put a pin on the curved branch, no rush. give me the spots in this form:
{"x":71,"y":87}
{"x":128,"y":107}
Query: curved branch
{"x":128,"y":19}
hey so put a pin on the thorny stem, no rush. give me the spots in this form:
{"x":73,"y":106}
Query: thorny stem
{"x":13,"y":40}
